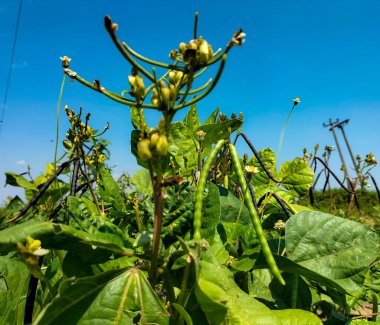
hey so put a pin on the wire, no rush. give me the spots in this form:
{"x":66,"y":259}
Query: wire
{"x":10,"y":68}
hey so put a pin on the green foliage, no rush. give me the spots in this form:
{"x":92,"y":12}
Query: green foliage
{"x":198,"y":236}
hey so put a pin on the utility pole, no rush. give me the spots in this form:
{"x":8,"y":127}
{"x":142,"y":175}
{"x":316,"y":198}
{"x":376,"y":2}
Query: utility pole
{"x":332,"y":126}
{"x":340,"y":126}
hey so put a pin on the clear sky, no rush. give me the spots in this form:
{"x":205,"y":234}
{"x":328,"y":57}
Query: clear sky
{"x":326,"y":52}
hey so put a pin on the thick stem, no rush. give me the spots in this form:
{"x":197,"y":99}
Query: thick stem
{"x":159,"y":203}
{"x":293,"y":302}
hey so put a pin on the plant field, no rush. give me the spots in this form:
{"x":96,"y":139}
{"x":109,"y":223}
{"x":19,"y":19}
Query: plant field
{"x":202,"y":234}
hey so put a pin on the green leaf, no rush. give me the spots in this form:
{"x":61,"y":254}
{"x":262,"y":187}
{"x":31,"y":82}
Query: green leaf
{"x":217,"y":131}
{"x":192,"y":120}
{"x":184,"y":314}
{"x":232,"y":209}
{"x":223,"y":301}
{"x":113,"y":297}
{"x":14,"y":279}
{"x":334,"y":247}
{"x":141,"y":179}
{"x":59,"y":236}
{"x":297,"y":176}
{"x":179,"y":209}
{"x":297,"y":317}
{"x":210,"y":209}
{"x":212,"y":118}
{"x":269,"y":159}
{"x":287,"y":265}
{"x":109,"y":190}
{"x":183,"y":146}
{"x":19,"y":181}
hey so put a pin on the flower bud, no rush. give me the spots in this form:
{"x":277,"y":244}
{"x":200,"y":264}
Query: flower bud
{"x":154,"y":138}
{"x":182,"y":47}
{"x":173,"y":93}
{"x":193,"y":44}
{"x":154,"y":97}
{"x":203,"y":51}
{"x":68,"y":145}
{"x":162,"y":145}
{"x":165,"y":93}
{"x":143,"y":149}
{"x":101,"y":159}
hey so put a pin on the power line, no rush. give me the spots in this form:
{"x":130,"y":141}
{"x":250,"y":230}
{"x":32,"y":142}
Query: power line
{"x":10,"y":68}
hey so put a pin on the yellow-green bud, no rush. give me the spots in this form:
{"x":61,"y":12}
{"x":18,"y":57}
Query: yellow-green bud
{"x":165,"y":93}
{"x":89,"y":131}
{"x":173,"y":93}
{"x":154,"y":138}
{"x":162,"y":145}
{"x":203,"y":51}
{"x":77,"y":141}
{"x":182,"y":47}
{"x":101,"y":159}
{"x":143,"y":149}
{"x":154,"y":97}
{"x":193,"y":44}
{"x":67,"y":144}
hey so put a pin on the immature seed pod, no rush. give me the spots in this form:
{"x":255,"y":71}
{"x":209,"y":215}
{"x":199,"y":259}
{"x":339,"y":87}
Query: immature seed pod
{"x":173,"y":93}
{"x":203,"y":51}
{"x":154,"y":138}
{"x":143,"y":149}
{"x":162,"y":145}
{"x":165,"y":93}
{"x":182,"y":47}
{"x":154,"y":97}
{"x":255,"y":218}
{"x":67,"y":144}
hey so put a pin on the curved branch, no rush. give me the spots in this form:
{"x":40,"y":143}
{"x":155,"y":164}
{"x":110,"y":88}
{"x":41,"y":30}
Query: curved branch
{"x":108,"y":24}
{"x":203,"y":95}
{"x":375,"y":184}
{"x":256,"y":154}
{"x":153,"y":62}
{"x":110,"y":94}
{"x":333,"y":174}
{"x":42,"y":190}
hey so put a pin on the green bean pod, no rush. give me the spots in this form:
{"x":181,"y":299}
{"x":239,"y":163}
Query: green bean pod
{"x":255,"y":218}
{"x":201,"y":188}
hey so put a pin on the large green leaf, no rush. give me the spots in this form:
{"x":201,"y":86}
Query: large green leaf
{"x":141,"y":179}
{"x":223,"y":301}
{"x":269,"y":159}
{"x":232,"y":209}
{"x":217,"y":131}
{"x":212,"y":118}
{"x":178,"y":213}
{"x":297,"y":176}
{"x":183,"y":146}
{"x":114,"y":297}
{"x":14,"y":278}
{"x":334,"y":247}
{"x":64,"y":237}
{"x":109,"y":190}
{"x":192,"y":120}
{"x":297,"y":317}
{"x":19,"y":181}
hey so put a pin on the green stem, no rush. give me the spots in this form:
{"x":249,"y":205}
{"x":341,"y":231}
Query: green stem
{"x":185,"y":279}
{"x":58,"y":117}
{"x":283,"y":131}
{"x":293,"y":302}
{"x":255,"y":218}
{"x":159,"y":203}
{"x":153,"y":62}
{"x":201,"y":188}
{"x":208,"y":90}
{"x":123,"y":51}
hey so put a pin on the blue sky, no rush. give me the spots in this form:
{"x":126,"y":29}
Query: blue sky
{"x":325,"y":52}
